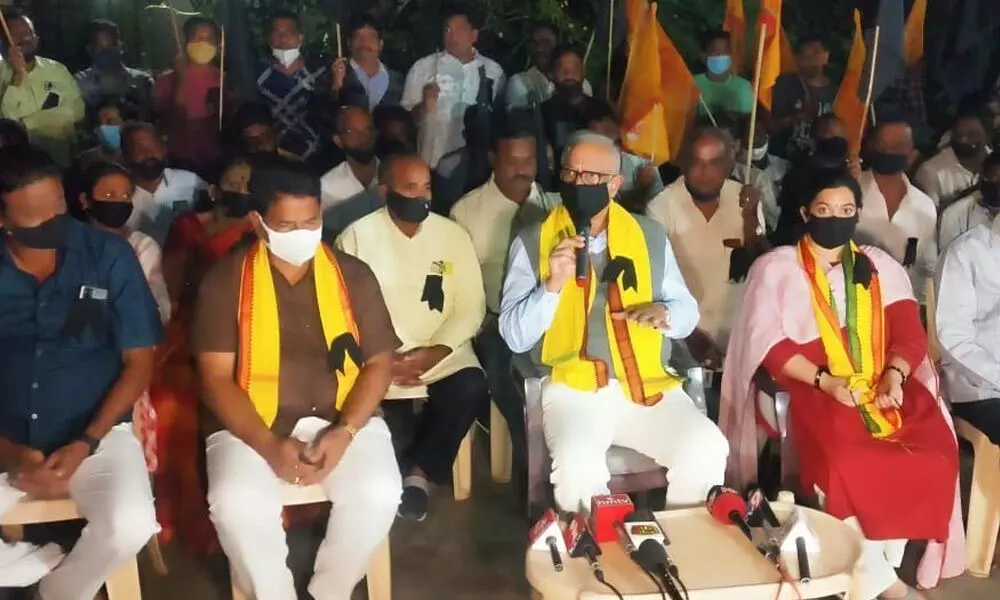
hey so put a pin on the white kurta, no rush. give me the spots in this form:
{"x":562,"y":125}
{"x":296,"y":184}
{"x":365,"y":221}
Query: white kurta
{"x":943,"y":176}
{"x":402,"y":266}
{"x":701,"y":254}
{"x":915,"y":218}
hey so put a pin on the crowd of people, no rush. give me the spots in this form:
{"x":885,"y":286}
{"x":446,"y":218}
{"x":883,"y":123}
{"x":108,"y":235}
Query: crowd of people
{"x":201,"y":302}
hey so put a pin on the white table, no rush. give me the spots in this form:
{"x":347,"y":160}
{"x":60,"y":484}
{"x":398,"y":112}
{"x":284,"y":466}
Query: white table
{"x":716,"y":563}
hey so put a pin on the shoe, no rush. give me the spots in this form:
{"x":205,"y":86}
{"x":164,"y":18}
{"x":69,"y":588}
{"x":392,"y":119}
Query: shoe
{"x":415,"y":500}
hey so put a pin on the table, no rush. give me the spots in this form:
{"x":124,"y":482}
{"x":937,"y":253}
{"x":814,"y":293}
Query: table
{"x":716,"y":563}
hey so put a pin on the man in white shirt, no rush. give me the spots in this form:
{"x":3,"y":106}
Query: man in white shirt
{"x":968,"y":324}
{"x":976,"y":208}
{"x":441,"y":86}
{"x":493,"y":214}
{"x":956,"y":167}
{"x":160,"y":193}
{"x":895,"y":215}
{"x":535,"y":85}
{"x":350,"y":190}
{"x":767,"y":170}
{"x":713,"y":236}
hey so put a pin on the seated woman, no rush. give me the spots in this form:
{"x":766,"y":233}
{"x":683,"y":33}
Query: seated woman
{"x":196,"y":240}
{"x":838,"y":327}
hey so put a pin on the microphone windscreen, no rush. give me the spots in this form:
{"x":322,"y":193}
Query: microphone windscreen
{"x":725,"y":503}
{"x":651,"y":555}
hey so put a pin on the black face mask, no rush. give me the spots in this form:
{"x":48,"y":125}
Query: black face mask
{"x":49,"y":235}
{"x":385,"y":148}
{"x":584,"y":202}
{"x":408,"y":210}
{"x":887,"y":163}
{"x":361,"y":155}
{"x":107,"y":59}
{"x":110,"y":214}
{"x":831,"y":232}
{"x":966,"y":151}
{"x":991,"y":194}
{"x":702,"y":196}
{"x":235,"y":204}
{"x":148,"y":170}
{"x":569,"y":89}
{"x":831,"y":152}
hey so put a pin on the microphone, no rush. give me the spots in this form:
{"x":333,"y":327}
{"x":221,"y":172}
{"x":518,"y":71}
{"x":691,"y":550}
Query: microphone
{"x":727,"y":506}
{"x":605,"y":511}
{"x":805,"y":574}
{"x":641,"y":525}
{"x":583,"y":255}
{"x":652,"y":556}
{"x":580,"y":542}
{"x":546,"y":534}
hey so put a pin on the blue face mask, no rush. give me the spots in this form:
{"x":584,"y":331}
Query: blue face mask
{"x":718,"y":65}
{"x":111,"y":136}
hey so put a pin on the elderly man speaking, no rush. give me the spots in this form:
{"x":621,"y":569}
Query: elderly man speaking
{"x":602,"y":338}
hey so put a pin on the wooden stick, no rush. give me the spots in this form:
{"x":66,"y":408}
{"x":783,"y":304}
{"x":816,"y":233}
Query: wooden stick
{"x":222,"y":71}
{"x":872,"y":111}
{"x":611,"y":49}
{"x":590,"y":46}
{"x":871,"y":83}
{"x":340,"y":45}
{"x":756,"y":99}
{"x":708,"y":110}
{"x":6,"y":30}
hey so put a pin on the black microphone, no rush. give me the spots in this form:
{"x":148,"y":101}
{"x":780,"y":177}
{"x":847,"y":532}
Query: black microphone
{"x":651,"y":555}
{"x":583,"y":255}
{"x":805,"y":573}
{"x":581,"y":543}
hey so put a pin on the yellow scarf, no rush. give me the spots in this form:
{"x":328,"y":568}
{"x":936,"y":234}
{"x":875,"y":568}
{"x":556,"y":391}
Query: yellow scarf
{"x":260,"y":341}
{"x":635,"y":349}
{"x":859,"y":353}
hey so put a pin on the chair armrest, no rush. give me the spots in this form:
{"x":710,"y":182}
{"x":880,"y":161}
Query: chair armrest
{"x":765,"y":383}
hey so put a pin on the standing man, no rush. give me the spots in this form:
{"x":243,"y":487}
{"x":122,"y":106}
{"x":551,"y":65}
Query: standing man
{"x":799,"y":98}
{"x":722,"y":91}
{"x":108,"y":77}
{"x":535,"y":85}
{"x":350,"y":190}
{"x":426,"y":267}
{"x":567,"y":108}
{"x":440,"y":87}
{"x":293,"y":381}
{"x":77,"y":337}
{"x":39,"y":92}
{"x":288,"y":83}
{"x":364,"y":80}
{"x":953,"y":172}
{"x":604,"y":344}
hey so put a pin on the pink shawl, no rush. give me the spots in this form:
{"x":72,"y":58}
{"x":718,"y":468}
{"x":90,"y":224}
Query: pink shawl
{"x":777,"y":306}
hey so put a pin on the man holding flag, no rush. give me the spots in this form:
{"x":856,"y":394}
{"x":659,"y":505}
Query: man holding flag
{"x":799,"y":98}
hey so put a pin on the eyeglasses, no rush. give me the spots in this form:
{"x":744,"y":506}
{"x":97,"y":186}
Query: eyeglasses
{"x":584,"y":177}
{"x":112,"y":197}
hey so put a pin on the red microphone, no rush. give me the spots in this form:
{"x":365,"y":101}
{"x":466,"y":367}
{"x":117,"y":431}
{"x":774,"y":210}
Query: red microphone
{"x":605,"y":511}
{"x":580,"y":542}
{"x":546,"y":534}
{"x":728,"y":507}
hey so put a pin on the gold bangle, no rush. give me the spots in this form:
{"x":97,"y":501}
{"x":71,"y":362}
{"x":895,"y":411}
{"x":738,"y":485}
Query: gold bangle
{"x":351,"y":431}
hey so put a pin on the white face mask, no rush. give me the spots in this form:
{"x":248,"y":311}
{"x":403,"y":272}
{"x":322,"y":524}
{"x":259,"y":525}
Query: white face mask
{"x":296,"y":247}
{"x":286,"y":57}
{"x":759,"y":153}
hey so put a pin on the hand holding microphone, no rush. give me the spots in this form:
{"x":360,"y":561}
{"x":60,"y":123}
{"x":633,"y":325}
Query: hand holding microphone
{"x":583,"y":255}
{"x":563,"y":263}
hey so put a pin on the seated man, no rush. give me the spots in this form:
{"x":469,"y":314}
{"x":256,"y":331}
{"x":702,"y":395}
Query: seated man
{"x":426,"y":267}
{"x":350,"y":188}
{"x":712,"y":224}
{"x":978,"y":207}
{"x":604,"y":343}
{"x":293,"y":379}
{"x":967,"y":321}
{"x":953,"y":172}
{"x":76,"y":351}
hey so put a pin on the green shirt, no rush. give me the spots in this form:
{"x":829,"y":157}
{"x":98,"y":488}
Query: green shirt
{"x":51,"y":129}
{"x":734,"y":95}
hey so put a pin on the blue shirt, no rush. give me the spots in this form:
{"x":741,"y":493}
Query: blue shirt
{"x":52,"y":382}
{"x":527,"y":308}
{"x":375,"y":86}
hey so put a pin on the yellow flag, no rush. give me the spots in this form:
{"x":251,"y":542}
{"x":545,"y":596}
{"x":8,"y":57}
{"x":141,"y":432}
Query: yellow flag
{"x":770,"y":66}
{"x":735,"y":23}
{"x":848,"y":105}
{"x":644,"y":130}
{"x":913,"y":34}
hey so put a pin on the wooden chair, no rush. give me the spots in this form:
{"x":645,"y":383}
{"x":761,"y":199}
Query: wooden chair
{"x":123,"y":583}
{"x":379,"y":576}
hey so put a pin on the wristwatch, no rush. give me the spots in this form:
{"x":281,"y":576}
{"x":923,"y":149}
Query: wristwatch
{"x":92,"y":443}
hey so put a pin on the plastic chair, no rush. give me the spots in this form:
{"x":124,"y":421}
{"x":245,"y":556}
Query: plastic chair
{"x":984,"y":500}
{"x":379,"y":578}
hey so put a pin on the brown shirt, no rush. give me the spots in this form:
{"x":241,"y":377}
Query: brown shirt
{"x":306,"y":385}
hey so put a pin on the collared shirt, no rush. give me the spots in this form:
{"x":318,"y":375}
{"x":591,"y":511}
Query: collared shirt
{"x":47,"y":103}
{"x":493,"y":220}
{"x":942,"y":177}
{"x":375,"y":86}
{"x":459,"y":86}
{"x":154,"y":213}
{"x":527,"y":308}
{"x":289,"y":97}
{"x":702,"y":253}
{"x":344,"y":200}
{"x":129,"y":83}
{"x":915,"y":219}
{"x":531,"y":87}
{"x":962,"y":216}
{"x":968,"y":315}
{"x":61,"y":340}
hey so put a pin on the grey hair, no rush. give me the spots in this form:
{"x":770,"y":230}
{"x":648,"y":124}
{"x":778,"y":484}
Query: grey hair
{"x":586,"y":136}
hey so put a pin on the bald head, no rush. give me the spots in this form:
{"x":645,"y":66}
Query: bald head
{"x":405,"y":174}
{"x":710,"y":163}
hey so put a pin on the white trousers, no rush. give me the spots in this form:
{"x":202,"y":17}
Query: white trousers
{"x":245,"y":503}
{"x":112,"y":492}
{"x":580,"y":427}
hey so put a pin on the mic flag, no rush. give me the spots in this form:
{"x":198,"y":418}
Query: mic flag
{"x":343,"y":347}
{"x":433,"y":293}
{"x":605,"y":511}
{"x":621,"y":265}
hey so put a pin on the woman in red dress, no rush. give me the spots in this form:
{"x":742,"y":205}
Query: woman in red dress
{"x":837,"y":326}
{"x":196,"y":240}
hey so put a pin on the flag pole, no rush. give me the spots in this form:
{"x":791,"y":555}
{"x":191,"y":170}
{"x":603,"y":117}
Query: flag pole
{"x":708,"y":111}
{"x":756,"y":100}
{"x":222,"y":70}
{"x":590,"y":46}
{"x":871,"y":83}
{"x":611,"y":38}
{"x":340,"y":45}
{"x":6,"y":30}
